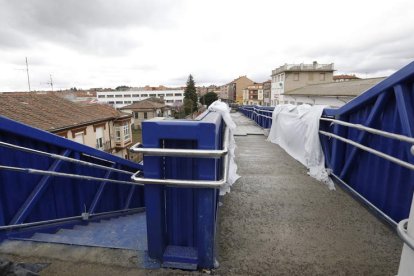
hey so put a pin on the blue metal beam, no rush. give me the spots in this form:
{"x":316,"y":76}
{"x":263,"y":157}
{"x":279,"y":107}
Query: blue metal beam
{"x":376,"y":110}
{"x":129,"y":198}
{"x":37,"y":192}
{"x":98,"y":194}
{"x":406,"y":112}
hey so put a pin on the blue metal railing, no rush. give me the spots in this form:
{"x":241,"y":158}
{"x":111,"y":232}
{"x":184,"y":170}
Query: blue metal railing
{"x":262,"y":115}
{"x":388,"y":106}
{"x":384,"y":185}
{"x":47,"y":182}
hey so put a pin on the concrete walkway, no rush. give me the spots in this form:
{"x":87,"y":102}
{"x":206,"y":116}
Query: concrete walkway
{"x":279,"y":221}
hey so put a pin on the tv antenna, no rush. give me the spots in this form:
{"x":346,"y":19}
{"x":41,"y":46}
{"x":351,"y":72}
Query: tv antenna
{"x":27,"y":71}
{"x":51,"y":82}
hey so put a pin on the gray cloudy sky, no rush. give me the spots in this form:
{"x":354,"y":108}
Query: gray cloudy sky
{"x":106,"y":43}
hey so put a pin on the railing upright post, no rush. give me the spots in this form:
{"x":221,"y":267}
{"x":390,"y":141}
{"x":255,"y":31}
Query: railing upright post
{"x":407,"y":255}
{"x":154,"y":202}
{"x":207,"y":202}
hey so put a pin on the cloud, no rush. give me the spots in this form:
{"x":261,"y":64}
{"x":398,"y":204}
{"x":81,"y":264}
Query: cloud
{"x":92,"y":26}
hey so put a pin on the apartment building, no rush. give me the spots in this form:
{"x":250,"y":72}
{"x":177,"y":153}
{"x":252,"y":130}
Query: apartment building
{"x":233,"y":91}
{"x":253,"y":94}
{"x":293,"y":76}
{"x":119,"y":99}
{"x":95,"y":125}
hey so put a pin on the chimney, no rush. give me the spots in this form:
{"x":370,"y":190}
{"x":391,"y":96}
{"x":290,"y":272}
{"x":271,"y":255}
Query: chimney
{"x":315,"y":63}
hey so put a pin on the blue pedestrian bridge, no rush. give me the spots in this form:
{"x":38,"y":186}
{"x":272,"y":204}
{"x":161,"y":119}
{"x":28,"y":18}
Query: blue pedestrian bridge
{"x":168,"y":211}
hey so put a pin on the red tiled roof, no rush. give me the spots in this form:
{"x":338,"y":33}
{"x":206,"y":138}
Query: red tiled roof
{"x":50,"y":112}
{"x":145,"y":104}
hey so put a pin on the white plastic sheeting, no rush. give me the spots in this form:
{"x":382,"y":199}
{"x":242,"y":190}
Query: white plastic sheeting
{"x":224,"y":110}
{"x":296,"y":130}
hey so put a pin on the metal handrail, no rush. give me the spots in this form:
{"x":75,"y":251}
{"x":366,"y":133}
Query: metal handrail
{"x":63,"y":158}
{"x":22,"y":225}
{"x":261,"y":115}
{"x":371,"y":150}
{"x":402,"y":232}
{"x":372,"y":130}
{"x":67,"y":175}
{"x":137,"y":148}
{"x":191,"y":183}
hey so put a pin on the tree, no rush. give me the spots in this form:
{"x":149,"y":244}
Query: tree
{"x":208,"y":98}
{"x":122,"y":88}
{"x":190,"y":96}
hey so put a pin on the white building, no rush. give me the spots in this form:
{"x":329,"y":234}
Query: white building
{"x":120,"y":99}
{"x":293,"y":76}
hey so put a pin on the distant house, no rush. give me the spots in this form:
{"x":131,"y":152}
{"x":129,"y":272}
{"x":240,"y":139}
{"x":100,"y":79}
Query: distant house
{"x":233,"y":91}
{"x":146,"y":109}
{"x":95,"y":125}
{"x":289,"y":77}
{"x":334,"y":94}
{"x":253,"y":94}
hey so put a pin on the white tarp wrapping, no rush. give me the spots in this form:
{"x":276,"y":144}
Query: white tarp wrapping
{"x":224,"y":110}
{"x":296,"y":130}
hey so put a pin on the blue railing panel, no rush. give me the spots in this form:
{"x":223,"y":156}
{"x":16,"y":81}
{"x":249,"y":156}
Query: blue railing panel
{"x":183,"y":218}
{"x":387,"y":106}
{"x":28,"y":198}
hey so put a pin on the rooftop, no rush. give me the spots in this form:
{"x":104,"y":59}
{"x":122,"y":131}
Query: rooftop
{"x":347,"y":88}
{"x":51,"y":112}
{"x":315,"y":66}
{"x":146,"y":104}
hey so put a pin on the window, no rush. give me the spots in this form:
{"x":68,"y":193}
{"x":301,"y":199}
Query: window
{"x":160,"y":95}
{"x":119,"y":102}
{"x":127,"y":135}
{"x":99,"y":137}
{"x":178,"y":101}
{"x":145,"y":115}
{"x":118,"y":96}
{"x":322,"y":76}
{"x":144,"y":95}
{"x":117,"y":134}
{"x":153,"y":95}
{"x":79,"y":137}
{"x":295,"y":76}
{"x":169,"y":95}
{"x":170,"y":101}
{"x":127,"y":102}
{"x":178,"y":94}
{"x":101,"y":96}
{"x":109,"y":96}
{"x":111,"y":102}
{"x":127,"y":95}
{"x":135,"y":95}
{"x":136,"y":115}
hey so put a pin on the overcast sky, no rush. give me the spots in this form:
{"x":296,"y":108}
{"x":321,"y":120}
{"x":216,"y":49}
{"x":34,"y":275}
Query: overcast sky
{"x":107,"y":43}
